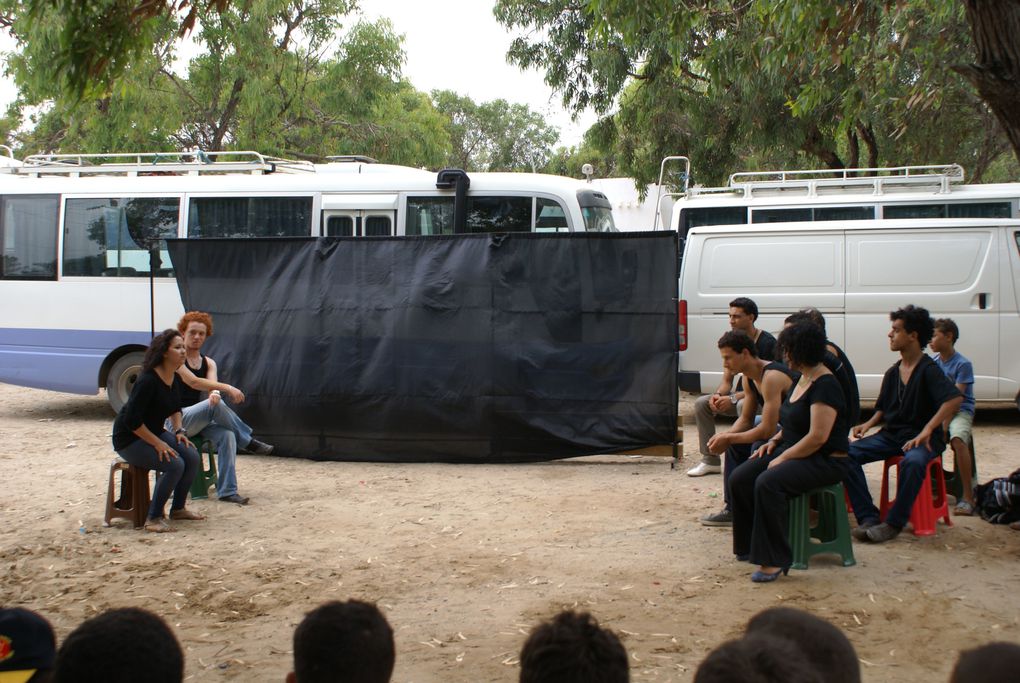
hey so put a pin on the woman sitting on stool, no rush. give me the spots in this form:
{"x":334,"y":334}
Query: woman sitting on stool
{"x":140,"y":438}
{"x":809,"y":452}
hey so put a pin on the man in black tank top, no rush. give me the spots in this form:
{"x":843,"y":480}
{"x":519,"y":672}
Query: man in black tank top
{"x":211,"y":418}
{"x":766,"y":383}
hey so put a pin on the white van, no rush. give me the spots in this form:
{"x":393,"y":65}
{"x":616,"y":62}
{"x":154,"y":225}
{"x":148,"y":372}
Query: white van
{"x":855,"y":272}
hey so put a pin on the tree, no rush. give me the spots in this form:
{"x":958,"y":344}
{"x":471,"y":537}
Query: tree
{"x":762,"y":83}
{"x":496,"y":135}
{"x":272,"y":75}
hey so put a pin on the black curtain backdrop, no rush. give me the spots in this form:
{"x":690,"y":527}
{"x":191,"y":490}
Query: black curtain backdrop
{"x":467,"y":348}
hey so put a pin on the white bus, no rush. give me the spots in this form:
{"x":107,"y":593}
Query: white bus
{"x":74,"y":278}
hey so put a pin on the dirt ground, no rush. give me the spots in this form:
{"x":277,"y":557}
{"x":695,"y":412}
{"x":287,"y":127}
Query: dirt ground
{"x":464,"y":559}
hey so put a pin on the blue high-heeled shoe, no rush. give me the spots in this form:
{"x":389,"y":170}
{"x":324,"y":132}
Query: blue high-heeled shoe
{"x":764,"y":577}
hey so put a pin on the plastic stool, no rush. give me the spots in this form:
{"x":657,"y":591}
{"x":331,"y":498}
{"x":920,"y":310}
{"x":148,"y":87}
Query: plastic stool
{"x":134,"y":493}
{"x":206,"y":475}
{"x":931,"y":502}
{"x":832,"y":532}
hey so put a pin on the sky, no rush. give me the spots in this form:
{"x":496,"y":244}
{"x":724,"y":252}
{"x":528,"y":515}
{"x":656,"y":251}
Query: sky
{"x":453,"y":45}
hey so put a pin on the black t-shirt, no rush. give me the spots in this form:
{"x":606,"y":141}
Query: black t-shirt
{"x":907,"y":409}
{"x":150,"y":404}
{"x":839,"y":365}
{"x":766,"y":345}
{"x":796,"y":416}
{"x":189,"y":396}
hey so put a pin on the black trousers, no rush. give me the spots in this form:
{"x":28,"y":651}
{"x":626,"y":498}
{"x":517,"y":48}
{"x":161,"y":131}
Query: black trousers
{"x":760,"y":500}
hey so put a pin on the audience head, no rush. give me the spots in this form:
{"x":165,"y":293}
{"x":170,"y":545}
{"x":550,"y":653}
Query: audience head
{"x":992,"y":663}
{"x":343,"y":641}
{"x":947,"y":327}
{"x":758,"y":658}
{"x":195,"y":317}
{"x":158,"y":348}
{"x":821,"y":644}
{"x":27,"y":646}
{"x":743,"y":313}
{"x":803,"y":344}
{"x":916,"y":320}
{"x":121,"y":646}
{"x":808,"y":315}
{"x":739,"y":341}
{"x":573,"y":648}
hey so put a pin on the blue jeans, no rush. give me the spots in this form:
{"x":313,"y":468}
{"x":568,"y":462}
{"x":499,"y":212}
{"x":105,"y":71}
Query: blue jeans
{"x":178,"y":473}
{"x":908,"y":484}
{"x":223,"y":427}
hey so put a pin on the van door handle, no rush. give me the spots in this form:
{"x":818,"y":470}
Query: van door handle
{"x":983,"y":301}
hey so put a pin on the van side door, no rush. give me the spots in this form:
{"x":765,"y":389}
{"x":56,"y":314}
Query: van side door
{"x":953,"y":272}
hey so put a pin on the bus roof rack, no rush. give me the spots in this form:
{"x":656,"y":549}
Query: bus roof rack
{"x":159,"y":163}
{"x":352,"y":159}
{"x":833,"y":181}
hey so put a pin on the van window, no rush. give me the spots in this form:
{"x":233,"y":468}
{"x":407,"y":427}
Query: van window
{"x":844,"y":213}
{"x":821,"y":213}
{"x":550,"y":216}
{"x":110,"y":236}
{"x":949,"y":210}
{"x":28,"y":238}
{"x":717,"y":215}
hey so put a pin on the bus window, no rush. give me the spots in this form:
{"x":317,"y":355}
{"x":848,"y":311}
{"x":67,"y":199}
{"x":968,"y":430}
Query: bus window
{"x":598,"y":219}
{"x":980,"y":210}
{"x":499,"y":214}
{"x":28,"y":238}
{"x":550,"y":216}
{"x":377,"y":226}
{"x":110,"y":236}
{"x":340,"y":226}
{"x":250,"y":217}
{"x":429,"y":216}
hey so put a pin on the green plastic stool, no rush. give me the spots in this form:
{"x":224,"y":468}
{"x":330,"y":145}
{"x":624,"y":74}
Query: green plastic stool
{"x":830,"y":535}
{"x":206,"y":475}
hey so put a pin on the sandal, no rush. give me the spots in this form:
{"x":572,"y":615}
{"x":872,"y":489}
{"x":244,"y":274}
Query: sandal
{"x":964,"y":508}
{"x":158,"y":526}
{"x":185,"y":513}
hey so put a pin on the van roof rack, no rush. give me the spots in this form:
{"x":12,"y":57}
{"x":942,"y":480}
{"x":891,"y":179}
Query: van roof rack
{"x":159,"y":163}
{"x":832,"y":181}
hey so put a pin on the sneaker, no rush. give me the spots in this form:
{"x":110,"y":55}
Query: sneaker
{"x":235,"y":498}
{"x":703,"y":468}
{"x":256,"y":447}
{"x":860,"y":532}
{"x":880,"y":533}
{"x":722,"y":518}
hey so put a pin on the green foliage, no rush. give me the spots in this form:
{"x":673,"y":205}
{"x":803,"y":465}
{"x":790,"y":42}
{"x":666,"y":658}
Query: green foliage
{"x":496,"y":135}
{"x":278,"y":76}
{"x":764,"y":83}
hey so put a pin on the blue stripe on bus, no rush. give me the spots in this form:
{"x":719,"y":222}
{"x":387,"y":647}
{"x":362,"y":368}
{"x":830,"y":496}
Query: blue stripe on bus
{"x":60,"y":360}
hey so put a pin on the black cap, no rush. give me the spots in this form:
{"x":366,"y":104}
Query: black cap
{"x":27,"y":643}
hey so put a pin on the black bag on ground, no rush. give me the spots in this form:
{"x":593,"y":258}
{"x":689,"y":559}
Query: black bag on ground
{"x":998,"y":500}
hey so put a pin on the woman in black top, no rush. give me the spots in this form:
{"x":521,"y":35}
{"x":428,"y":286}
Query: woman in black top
{"x":809,"y":452}
{"x":140,"y":438}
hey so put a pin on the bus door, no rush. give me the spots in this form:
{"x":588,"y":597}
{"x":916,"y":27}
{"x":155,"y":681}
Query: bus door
{"x":358,"y":215}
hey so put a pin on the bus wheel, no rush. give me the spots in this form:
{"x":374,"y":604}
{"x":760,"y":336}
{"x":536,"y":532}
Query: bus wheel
{"x":122,"y":378}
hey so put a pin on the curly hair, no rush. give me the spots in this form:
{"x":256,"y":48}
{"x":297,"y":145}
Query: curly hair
{"x":158,"y":347}
{"x":809,"y":314}
{"x":573,"y":648}
{"x":948,"y":327}
{"x":803,"y":344}
{"x":917,"y":320}
{"x":195,"y":317}
{"x":739,"y":341}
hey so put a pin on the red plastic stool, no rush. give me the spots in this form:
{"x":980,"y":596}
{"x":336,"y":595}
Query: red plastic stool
{"x":929,"y":505}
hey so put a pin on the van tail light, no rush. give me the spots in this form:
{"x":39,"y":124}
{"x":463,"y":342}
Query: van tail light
{"x":681,"y":318}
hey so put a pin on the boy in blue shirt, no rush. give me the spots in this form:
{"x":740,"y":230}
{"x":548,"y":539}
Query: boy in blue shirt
{"x":961,"y":373}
